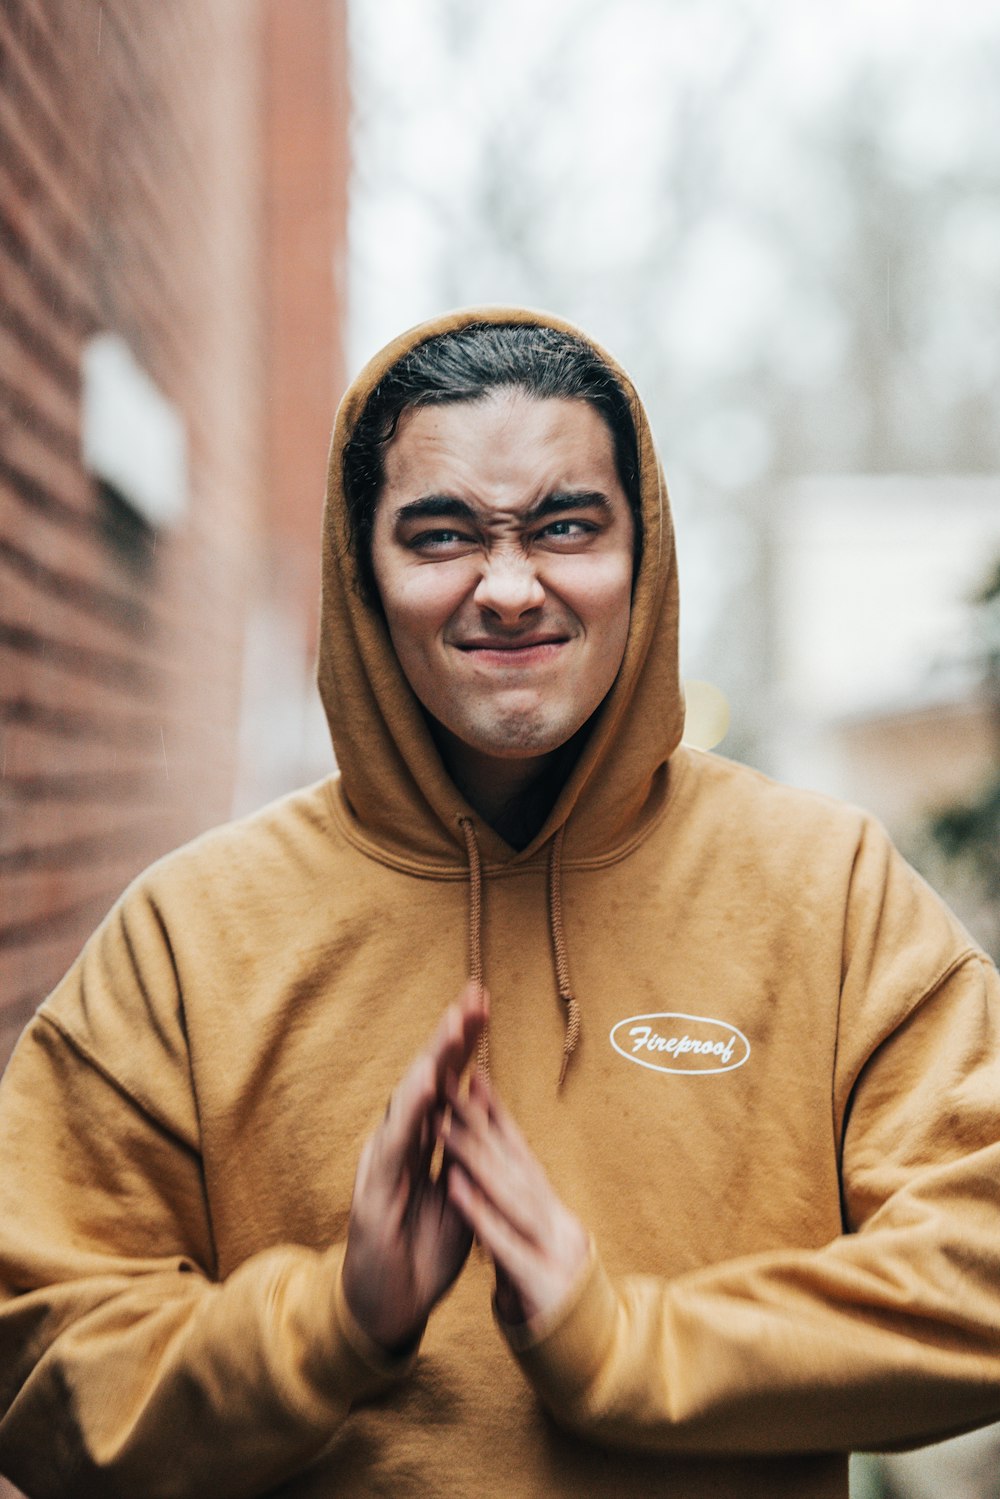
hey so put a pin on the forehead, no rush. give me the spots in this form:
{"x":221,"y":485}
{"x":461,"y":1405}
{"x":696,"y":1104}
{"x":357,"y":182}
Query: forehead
{"x":506,"y":448}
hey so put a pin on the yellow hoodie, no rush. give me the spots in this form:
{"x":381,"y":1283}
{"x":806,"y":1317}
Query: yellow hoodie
{"x":780,"y":1123}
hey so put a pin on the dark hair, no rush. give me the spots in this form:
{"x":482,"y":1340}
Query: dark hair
{"x":466,"y":365}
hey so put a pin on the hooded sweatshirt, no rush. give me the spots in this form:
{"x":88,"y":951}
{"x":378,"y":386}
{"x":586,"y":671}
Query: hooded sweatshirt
{"x":778,"y":1119}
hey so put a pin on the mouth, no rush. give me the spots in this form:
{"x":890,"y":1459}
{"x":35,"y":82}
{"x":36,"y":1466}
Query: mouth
{"x":526,"y":650}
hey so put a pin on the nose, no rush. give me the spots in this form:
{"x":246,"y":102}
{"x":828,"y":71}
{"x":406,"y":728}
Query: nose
{"x":509,"y":588}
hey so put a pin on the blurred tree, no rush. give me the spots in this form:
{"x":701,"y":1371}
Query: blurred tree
{"x":785,"y":222}
{"x":967,"y":834}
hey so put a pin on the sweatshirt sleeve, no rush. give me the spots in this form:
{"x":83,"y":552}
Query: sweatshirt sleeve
{"x":887,"y":1336}
{"x":126,"y":1366}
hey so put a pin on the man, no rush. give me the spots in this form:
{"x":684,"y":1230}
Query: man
{"x":726,"y":1162}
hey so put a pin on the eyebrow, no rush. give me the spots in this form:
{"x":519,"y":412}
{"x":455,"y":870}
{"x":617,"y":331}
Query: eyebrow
{"x":450,"y":507}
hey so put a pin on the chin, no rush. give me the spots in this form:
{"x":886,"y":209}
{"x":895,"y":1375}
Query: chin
{"x":518,"y":736}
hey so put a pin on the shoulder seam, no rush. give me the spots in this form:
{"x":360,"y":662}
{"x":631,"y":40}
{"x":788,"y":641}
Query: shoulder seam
{"x":960,"y":959}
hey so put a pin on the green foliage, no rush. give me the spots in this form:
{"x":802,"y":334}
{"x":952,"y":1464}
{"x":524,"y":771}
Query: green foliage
{"x":971,"y":832}
{"x":967,"y":835}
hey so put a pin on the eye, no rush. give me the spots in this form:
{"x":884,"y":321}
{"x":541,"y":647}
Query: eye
{"x":567,"y":530}
{"x":442,"y":539}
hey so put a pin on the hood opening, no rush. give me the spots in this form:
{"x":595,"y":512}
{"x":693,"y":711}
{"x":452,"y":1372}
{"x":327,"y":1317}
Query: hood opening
{"x":396,"y":789}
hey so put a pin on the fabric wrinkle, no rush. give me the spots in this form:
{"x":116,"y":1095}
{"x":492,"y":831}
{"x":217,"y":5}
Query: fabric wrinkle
{"x":557,"y":934}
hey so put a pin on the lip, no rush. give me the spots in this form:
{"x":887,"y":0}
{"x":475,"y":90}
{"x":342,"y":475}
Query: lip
{"x":518,"y":643}
{"x":529,"y":650}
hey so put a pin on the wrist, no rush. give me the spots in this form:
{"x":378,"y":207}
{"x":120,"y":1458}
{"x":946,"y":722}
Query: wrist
{"x":524,"y":1330}
{"x":392,"y":1339}
{"x":376,"y":1344}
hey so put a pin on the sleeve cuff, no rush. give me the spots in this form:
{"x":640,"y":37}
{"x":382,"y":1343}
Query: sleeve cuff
{"x":363,"y":1365}
{"x":562,"y":1350}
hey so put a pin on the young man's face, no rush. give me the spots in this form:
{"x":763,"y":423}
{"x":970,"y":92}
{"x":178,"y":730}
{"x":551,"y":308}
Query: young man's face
{"x":502,"y":550}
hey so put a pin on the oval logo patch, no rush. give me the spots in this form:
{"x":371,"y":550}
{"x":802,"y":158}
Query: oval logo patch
{"x":680,"y":1043}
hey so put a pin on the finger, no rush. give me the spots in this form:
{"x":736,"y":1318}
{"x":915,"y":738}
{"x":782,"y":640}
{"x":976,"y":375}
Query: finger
{"x":416,"y":1185}
{"x":473,"y":998}
{"x":378,"y":1197}
{"x":424,"y":1079}
{"x":504,"y":1128}
{"x":449,"y":1049}
{"x":502,"y":1165}
{"x":478,"y":1111}
{"x":514,"y":1189}
{"x":515,"y":1257}
{"x":500,"y":1116}
{"x":398,"y":1136}
{"x":456,"y":1038}
{"x":422,"y":1147}
{"x":453,"y":1040}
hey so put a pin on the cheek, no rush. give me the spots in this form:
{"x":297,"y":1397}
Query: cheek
{"x":599,"y":591}
{"x":419,"y":601}
{"x":606,"y":614}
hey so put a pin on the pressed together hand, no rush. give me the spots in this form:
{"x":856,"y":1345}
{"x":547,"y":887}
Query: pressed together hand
{"x":537,"y":1245}
{"x":406,"y":1240}
{"x":410,"y":1232}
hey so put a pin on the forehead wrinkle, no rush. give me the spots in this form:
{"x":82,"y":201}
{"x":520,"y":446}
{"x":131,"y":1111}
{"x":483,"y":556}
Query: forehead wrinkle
{"x":453,"y":507}
{"x":436,"y":456}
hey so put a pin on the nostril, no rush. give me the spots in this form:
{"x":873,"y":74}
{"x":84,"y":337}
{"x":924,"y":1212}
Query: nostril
{"x":512,"y":587}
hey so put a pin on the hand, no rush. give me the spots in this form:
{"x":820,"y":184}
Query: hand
{"x":538,"y":1246}
{"x":406,"y":1241}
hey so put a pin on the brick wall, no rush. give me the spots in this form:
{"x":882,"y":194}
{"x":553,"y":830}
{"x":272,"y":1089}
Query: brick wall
{"x":173,"y":171}
{"x":304,"y":130}
{"x":305,"y":81}
{"x":130,"y":200}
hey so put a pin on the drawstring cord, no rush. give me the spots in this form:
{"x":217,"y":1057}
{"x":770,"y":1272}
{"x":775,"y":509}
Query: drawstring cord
{"x":558,"y":934}
{"x":476,"y":934}
{"x":556,"y":931}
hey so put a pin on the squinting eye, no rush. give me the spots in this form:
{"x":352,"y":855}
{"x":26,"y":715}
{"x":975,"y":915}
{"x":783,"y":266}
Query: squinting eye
{"x":571,"y":528}
{"x":432,"y":540}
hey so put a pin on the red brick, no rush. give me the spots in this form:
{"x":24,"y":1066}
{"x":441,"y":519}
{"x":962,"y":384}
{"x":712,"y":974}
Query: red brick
{"x":131,"y":188}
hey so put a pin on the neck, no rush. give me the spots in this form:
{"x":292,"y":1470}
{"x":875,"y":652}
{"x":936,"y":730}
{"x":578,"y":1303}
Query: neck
{"x":514,"y":796}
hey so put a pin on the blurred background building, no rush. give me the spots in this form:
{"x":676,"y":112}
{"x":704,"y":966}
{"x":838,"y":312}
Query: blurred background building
{"x":784,"y":219}
{"x":173,"y":187}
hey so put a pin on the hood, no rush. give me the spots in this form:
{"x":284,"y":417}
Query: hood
{"x":398,"y":796}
